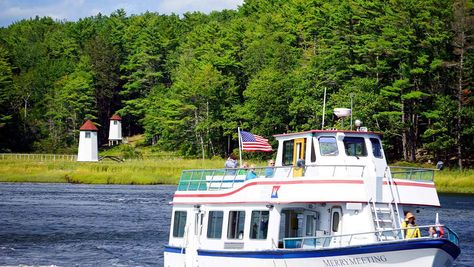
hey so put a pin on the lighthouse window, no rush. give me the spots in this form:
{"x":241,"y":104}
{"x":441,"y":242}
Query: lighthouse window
{"x":88,"y":134}
{"x":235,"y":229}
{"x":179,"y":223}
{"x":328,"y":146}
{"x":115,"y":122}
{"x":259,"y":224}
{"x":376,"y":147}
{"x":355,"y":146}
{"x":214,"y":227}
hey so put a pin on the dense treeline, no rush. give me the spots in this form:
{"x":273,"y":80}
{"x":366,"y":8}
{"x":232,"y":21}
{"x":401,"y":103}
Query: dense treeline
{"x":188,"y":82}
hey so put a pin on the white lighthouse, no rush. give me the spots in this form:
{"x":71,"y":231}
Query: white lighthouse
{"x":115,"y":130}
{"x":88,"y":148}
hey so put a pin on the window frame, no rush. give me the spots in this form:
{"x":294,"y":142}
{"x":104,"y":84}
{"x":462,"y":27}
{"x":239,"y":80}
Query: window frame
{"x":259,"y":225}
{"x":347,"y":140}
{"x":335,"y":223}
{"x":332,"y":154}
{"x":236,"y":224}
{"x":288,"y":148}
{"x":379,"y":144}
{"x":213,"y":224}
{"x":313,"y":151}
{"x":178,"y":226}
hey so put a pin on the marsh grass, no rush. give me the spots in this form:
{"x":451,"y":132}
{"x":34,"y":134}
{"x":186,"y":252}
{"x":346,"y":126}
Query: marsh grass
{"x":455,"y":181}
{"x":160,"y":171}
{"x":106,"y":172}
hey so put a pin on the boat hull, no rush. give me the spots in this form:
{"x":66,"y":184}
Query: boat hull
{"x":429,"y":252}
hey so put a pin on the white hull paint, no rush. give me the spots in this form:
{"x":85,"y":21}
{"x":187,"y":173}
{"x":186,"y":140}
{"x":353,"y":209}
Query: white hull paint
{"x":417,"y":257}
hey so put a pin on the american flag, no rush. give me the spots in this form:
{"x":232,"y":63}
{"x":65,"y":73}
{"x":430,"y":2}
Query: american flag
{"x":253,"y":142}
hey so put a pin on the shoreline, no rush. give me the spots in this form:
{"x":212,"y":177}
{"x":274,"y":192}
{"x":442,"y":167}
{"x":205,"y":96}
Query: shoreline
{"x":161,"y":172}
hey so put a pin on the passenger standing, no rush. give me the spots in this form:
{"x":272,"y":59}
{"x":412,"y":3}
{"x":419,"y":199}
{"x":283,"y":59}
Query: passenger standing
{"x":231,"y":163}
{"x":412,"y":230}
{"x":270,"y":169}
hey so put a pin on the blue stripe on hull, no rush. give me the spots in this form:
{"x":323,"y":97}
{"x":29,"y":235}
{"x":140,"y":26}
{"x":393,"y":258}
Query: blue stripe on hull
{"x":443,"y":244}
{"x":175,"y":250}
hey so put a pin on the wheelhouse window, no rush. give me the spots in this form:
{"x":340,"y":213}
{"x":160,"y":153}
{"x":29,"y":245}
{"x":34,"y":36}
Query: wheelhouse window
{"x":179,"y":223}
{"x":328,"y":146}
{"x":259,"y":224}
{"x":313,"y":152}
{"x":355,"y":146}
{"x":235,"y":229}
{"x":288,"y":152}
{"x":214,"y":226}
{"x":376,"y":147}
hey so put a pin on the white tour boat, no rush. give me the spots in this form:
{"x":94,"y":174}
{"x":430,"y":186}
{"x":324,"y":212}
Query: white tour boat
{"x":331,"y":200}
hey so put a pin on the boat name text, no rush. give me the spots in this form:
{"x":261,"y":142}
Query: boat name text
{"x":355,"y":261}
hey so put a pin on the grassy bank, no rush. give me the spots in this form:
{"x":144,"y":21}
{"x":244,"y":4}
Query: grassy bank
{"x":106,"y":172}
{"x":455,"y":181}
{"x":160,"y":171}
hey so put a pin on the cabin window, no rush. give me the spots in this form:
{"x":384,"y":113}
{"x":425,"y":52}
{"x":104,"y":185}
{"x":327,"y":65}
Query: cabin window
{"x":179,"y":223}
{"x":214,"y":226}
{"x":328,"y":146}
{"x":235,"y":229}
{"x":376,"y":147}
{"x":335,"y":221}
{"x":313,"y":152}
{"x":259,"y":224}
{"x":355,"y":146}
{"x":88,"y":134}
{"x":288,"y":152}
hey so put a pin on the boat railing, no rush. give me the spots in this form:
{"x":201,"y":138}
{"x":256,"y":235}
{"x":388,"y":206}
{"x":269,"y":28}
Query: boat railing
{"x":219,"y":179}
{"x":320,"y":242}
{"x":412,"y":173}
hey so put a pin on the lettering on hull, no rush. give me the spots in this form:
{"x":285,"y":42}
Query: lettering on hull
{"x":349,"y":261}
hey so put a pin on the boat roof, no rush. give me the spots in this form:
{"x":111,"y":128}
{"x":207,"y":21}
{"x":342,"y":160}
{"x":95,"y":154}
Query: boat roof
{"x":328,"y":131}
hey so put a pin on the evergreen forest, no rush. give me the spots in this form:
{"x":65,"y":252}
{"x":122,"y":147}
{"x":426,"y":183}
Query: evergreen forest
{"x":186,"y":82}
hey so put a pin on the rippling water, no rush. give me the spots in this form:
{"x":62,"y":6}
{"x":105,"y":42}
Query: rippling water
{"x":112,"y":225}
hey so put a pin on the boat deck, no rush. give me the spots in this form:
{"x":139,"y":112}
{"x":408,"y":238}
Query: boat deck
{"x":220,"y":179}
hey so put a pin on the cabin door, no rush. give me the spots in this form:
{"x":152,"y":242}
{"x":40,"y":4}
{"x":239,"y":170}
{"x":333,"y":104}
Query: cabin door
{"x":311,"y":223}
{"x":298,"y":157}
{"x":193,"y":236}
{"x":336,"y":225}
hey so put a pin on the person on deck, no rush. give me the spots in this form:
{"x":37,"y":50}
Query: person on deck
{"x":270,"y":169}
{"x":251,"y":173}
{"x":412,"y":230}
{"x":231,"y":163}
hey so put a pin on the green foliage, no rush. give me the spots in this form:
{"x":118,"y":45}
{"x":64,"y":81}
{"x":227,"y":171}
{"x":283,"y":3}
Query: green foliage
{"x":187,"y":83}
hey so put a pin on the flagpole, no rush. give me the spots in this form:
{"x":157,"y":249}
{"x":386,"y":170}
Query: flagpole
{"x":240,"y":148}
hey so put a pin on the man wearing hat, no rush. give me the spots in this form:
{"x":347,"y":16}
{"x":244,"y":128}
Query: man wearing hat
{"x":412,"y":230}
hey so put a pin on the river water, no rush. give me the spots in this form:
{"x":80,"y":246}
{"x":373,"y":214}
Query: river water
{"x":114,"y":225}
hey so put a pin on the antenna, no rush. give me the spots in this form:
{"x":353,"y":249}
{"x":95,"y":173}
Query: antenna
{"x":352,"y":97}
{"x":324,"y":108}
